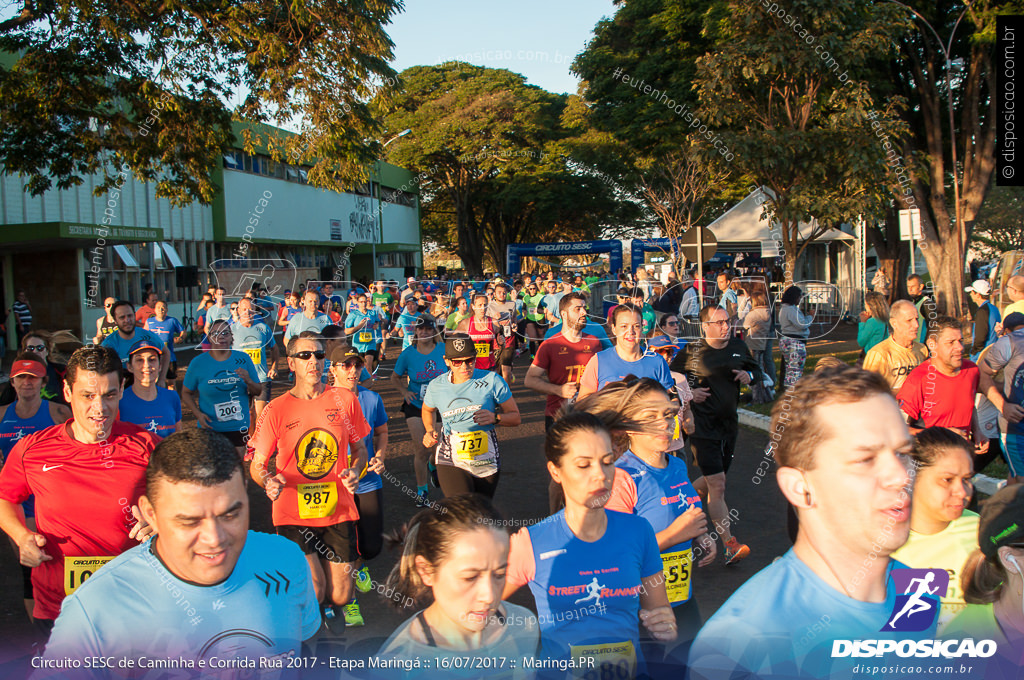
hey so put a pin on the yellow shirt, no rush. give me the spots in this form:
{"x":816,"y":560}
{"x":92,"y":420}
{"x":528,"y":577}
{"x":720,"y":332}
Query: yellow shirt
{"x":893,"y":362}
{"x":1017,"y":306}
{"x":947,"y":550}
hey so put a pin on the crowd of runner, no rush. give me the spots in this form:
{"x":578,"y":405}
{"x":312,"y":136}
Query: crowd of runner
{"x":643,"y":387}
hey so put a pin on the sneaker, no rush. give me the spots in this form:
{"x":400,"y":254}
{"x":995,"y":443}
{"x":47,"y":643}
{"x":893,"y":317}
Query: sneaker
{"x":735,"y":551}
{"x":364,"y":583}
{"x":432,"y":469}
{"x":353,"y":617}
{"x":334,"y":623}
{"x":422,"y":500}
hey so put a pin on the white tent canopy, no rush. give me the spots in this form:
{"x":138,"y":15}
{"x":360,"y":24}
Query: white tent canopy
{"x":743,"y":222}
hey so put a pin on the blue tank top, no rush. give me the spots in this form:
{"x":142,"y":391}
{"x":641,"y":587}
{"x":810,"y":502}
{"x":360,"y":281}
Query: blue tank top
{"x":13,"y":428}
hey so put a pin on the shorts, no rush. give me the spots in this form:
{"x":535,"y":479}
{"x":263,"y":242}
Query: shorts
{"x":410,"y":411}
{"x":506,"y":355}
{"x":335,"y":543}
{"x":172,"y":370}
{"x":264,"y":394}
{"x":455,"y":481}
{"x":714,"y":456}
{"x":375,"y":353}
{"x":236,"y":437}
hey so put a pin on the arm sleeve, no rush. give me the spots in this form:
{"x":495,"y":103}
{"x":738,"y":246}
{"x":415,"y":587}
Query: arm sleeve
{"x":980,"y":330}
{"x":380,"y":414}
{"x":997,"y":357}
{"x":874,"y":362}
{"x":750,"y":365}
{"x":909,"y":397}
{"x":264,"y":436}
{"x":863,"y":334}
{"x":360,"y":428}
{"x":623,"y":498}
{"x":521,"y":565}
{"x":501,"y":391}
{"x":14,"y":486}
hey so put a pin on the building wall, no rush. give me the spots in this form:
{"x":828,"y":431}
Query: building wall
{"x":56,"y":301}
{"x":271,"y":209}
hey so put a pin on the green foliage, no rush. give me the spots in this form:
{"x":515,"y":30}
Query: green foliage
{"x":1000,"y":225}
{"x":91,"y":86}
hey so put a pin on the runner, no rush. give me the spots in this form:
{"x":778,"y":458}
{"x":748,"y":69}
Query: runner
{"x":549,"y":301}
{"x":364,"y":325}
{"x":716,"y":366}
{"x":843,"y":452}
{"x":289,"y":309}
{"x":220,"y":308}
{"x":28,"y":414}
{"x":458,"y":315}
{"x":155,"y":409}
{"x":636,"y":296}
{"x":607,"y":574}
{"x":205,"y":588}
{"x":147,"y":310}
{"x":86,"y":475}
{"x":218,"y":385}
{"x":943,"y":533}
{"x":627,"y":357}
{"x":657,"y":487}
{"x":310,"y":429}
{"x":40,"y":344}
{"x":467,"y":401}
{"x":900,"y":353}
{"x":256,"y":339}
{"x":484,"y":333}
{"x":309,"y":320}
{"x":105,"y":325}
{"x":346,"y":366}
{"x":502,"y":312}
{"x":128,"y":334}
{"x":456,"y":560}
{"x":1006,"y":357}
{"x":405,"y":325}
{"x":168,"y":329}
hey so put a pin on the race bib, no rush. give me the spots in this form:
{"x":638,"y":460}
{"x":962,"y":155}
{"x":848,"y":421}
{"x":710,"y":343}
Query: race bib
{"x":256,"y":355}
{"x":469,"y":445}
{"x":77,"y":569}
{"x":317,"y":501}
{"x":613,"y":660}
{"x":423,"y":391}
{"x":531,"y":311}
{"x":365,"y":336}
{"x":483,"y":349}
{"x":676,"y":567}
{"x":228,"y":410}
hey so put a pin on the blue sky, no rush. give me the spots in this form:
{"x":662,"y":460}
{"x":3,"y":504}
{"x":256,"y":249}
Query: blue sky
{"x":537,"y":38}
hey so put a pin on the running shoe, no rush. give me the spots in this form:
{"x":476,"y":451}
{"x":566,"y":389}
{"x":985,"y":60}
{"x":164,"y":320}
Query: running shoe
{"x":353,"y":617}
{"x":334,"y":623}
{"x":364,"y":583}
{"x":422,"y":500}
{"x":432,"y":469}
{"x":735,"y":551}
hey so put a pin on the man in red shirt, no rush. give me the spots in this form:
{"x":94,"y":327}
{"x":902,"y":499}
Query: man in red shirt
{"x":311,"y":427}
{"x":558,"y":367}
{"x":940,"y":392}
{"x":86,"y":475}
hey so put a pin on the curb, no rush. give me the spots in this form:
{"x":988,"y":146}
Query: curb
{"x":983,"y":483}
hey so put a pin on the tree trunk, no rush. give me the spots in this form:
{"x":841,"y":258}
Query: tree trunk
{"x":893,"y":254}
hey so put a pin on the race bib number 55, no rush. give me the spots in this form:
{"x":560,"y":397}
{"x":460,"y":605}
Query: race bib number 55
{"x":676,"y":566}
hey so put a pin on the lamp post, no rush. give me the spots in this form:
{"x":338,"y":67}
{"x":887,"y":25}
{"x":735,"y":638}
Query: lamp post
{"x":946,"y":49}
{"x":380,"y":204}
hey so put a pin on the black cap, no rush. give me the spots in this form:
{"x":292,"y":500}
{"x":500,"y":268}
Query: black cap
{"x":426,"y":321}
{"x":1002,"y":519}
{"x":459,"y":346}
{"x":1013,"y":320}
{"x":343,"y":353}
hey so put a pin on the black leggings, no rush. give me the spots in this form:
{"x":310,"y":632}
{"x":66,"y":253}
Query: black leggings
{"x":455,"y":481}
{"x":370,"y":527}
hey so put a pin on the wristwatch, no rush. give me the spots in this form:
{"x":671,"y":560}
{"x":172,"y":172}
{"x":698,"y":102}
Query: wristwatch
{"x":497,"y":419}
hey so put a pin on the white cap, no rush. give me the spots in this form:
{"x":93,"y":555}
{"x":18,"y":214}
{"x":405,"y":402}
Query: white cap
{"x":981,"y":287}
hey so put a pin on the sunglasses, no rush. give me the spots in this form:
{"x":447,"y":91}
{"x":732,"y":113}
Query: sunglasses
{"x":461,"y":362}
{"x":352,"y":363}
{"x":35,"y":348}
{"x":307,"y":355}
{"x":671,"y":323}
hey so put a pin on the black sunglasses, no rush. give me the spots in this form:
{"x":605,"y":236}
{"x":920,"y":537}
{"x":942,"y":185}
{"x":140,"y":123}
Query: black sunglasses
{"x":461,"y":362}
{"x":307,"y":355}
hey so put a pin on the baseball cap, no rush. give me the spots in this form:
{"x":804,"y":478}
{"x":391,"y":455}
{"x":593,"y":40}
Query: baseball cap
{"x":1013,"y":320}
{"x":661,"y":341}
{"x":28,"y":367}
{"x":142,"y":345}
{"x":459,"y":346}
{"x":411,"y":279}
{"x":426,"y":321}
{"x":981,"y":287}
{"x":1002,"y":519}
{"x":343,"y":353}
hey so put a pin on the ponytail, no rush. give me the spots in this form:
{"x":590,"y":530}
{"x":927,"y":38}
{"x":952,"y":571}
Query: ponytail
{"x":982,"y":578}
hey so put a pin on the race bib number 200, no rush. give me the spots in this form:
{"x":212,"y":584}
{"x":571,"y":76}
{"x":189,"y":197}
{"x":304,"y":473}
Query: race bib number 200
{"x":228,"y":410}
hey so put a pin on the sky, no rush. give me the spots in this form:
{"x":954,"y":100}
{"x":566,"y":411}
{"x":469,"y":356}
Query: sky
{"x":537,"y":38}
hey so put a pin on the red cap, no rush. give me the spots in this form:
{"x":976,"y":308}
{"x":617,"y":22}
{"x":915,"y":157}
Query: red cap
{"x":29,"y":367}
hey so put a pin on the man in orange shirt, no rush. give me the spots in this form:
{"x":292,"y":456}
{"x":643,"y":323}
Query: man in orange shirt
{"x":311,"y":428}
{"x":147,"y":310}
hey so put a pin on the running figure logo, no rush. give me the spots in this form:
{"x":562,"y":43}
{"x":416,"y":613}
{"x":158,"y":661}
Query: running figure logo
{"x":918,"y":605}
{"x":593,"y":592}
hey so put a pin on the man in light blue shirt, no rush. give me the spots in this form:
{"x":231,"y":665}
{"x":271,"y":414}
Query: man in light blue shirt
{"x":850,"y":488}
{"x":204,"y":588}
{"x":128,"y":334}
{"x":256,"y":339}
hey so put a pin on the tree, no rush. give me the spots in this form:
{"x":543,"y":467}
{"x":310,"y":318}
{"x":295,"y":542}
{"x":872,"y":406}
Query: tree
{"x":486,"y":145}
{"x":146,"y":83}
{"x":920,"y":74}
{"x":793,"y":122}
{"x":1000,"y":224}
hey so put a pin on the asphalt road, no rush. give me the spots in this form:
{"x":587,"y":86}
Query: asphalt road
{"x":521,"y":495}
